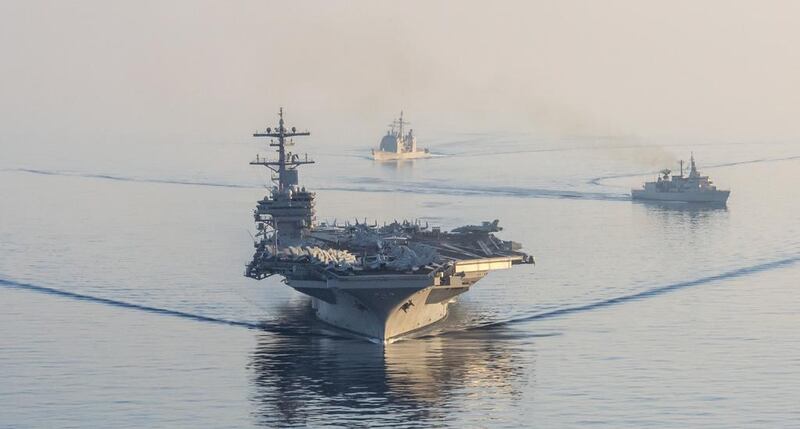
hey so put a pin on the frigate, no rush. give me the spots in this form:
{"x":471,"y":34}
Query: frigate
{"x":693,"y":188}
{"x":397,"y":145}
{"x":378,"y":282}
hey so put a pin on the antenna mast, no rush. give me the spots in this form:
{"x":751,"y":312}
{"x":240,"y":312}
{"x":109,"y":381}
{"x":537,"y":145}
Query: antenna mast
{"x":401,"y":123}
{"x":287,"y":162}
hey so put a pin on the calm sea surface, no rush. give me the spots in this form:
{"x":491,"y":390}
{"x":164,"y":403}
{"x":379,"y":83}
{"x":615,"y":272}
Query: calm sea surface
{"x":124,"y":304}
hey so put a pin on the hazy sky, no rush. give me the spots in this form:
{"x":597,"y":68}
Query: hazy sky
{"x":155,"y":71}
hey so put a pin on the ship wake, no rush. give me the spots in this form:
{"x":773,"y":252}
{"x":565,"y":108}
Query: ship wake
{"x":306,"y":327}
{"x":598,"y":181}
{"x":373,"y":185}
{"x":296,"y":328}
{"x":433,"y":188}
{"x":650,"y":293}
{"x":118,"y":178}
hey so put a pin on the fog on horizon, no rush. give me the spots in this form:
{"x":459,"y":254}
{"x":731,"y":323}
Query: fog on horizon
{"x":84,"y":73}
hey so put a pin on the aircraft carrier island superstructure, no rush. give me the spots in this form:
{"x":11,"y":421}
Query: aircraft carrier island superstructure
{"x":379,"y":282}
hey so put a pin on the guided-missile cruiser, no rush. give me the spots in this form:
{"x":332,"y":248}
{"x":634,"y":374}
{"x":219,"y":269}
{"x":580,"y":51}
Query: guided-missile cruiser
{"x":378,"y":282}
{"x":397,"y":145}
{"x":693,"y":188}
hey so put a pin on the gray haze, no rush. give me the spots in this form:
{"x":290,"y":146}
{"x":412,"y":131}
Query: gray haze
{"x":84,"y":73}
{"x":126,"y":210}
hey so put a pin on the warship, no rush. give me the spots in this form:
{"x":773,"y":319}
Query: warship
{"x":693,"y":188}
{"x":378,"y":282}
{"x":396,"y":145}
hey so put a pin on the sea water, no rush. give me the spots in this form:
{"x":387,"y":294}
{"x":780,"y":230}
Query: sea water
{"x":124,"y":302}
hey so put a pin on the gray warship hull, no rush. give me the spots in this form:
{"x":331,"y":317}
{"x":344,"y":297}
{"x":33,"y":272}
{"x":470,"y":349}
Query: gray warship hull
{"x":717,"y":196}
{"x":376,"y":312}
{"x":385,"y":307}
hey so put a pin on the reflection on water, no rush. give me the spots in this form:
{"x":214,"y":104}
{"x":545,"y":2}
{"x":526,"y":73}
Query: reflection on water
{"x":681,"y":236}
{"x":308,"y":380}
{"x":691,"y":215}
{"x":667,"y":206}
{"x":397,"y":164}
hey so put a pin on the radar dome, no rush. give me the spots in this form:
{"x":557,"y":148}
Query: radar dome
{"x":389,"y":143}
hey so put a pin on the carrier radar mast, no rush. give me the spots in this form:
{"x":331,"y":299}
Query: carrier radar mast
{"x":288,"y":211}
{"x":287,"y":162}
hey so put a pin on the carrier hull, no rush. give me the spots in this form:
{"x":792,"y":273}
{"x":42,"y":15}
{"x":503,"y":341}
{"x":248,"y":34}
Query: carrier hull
{"x":381,"y":310}
{"x":386,"y":307}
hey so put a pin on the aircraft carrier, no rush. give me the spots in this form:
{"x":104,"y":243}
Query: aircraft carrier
{"x":378,"y":282}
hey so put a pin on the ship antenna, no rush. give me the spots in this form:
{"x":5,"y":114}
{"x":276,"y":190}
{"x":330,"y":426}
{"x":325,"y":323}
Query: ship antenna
{"x":401,"y":123}
{"x":283,"y":163}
